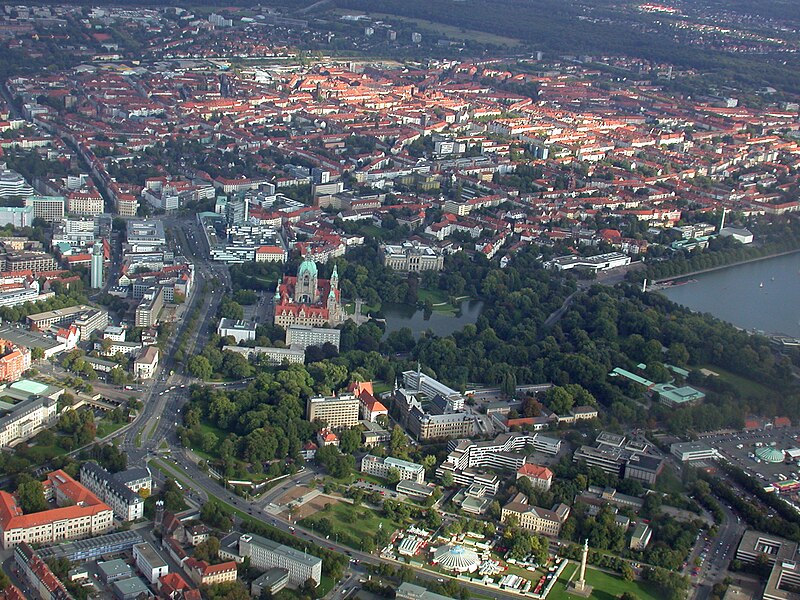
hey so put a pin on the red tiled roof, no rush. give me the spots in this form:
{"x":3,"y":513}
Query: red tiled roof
{"x":535,"y":471}
{"x":86,"y":503}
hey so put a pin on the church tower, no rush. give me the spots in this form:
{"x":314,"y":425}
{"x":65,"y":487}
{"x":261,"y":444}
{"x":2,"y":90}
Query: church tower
{"x":306,"y":290}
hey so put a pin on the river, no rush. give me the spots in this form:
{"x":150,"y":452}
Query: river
{"x":736,"y":295}
{"x":442,"y":324}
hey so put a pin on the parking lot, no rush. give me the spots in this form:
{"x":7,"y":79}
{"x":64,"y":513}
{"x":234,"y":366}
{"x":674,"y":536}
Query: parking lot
{"x":739,"y":449}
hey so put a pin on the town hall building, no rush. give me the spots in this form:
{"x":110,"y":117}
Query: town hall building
{"x":307,"y":299}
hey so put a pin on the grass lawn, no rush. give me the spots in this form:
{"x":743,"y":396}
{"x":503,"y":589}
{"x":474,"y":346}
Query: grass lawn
{"x":379,"y":386}
{"x":40,"y":454}
{"x":138,"y":440}
{"x":606,"y":586}
{"x":351,"y":523}
{"x":107,"y":427}
{"x":439,"y":299}
{"x":748,"y":387}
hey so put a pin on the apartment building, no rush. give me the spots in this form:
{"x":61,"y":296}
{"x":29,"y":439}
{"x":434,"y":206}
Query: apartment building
{"x":82,"y":203}
{"x":381,"y":467}
{"x":38,"y":575}
{"x":535,"y":518}
{"x":79,"y":514}
{"x":14,"y":360}
{"x":114,"y":490}
{"x":266,"y":554}
{"x":145,"y":366}
{"x":338,"y":412}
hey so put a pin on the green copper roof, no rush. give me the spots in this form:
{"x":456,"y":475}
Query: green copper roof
{"x":309,"y":266}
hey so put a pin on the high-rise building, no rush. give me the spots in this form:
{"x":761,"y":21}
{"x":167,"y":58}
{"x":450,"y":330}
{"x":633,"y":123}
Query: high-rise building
{"x":237,"y":211}
{"x":335,"y":411}
{"x":97,"y":265}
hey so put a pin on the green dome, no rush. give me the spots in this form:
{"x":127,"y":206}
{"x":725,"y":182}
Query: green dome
{"x":771,"y":455}
{"x":307,"y":266}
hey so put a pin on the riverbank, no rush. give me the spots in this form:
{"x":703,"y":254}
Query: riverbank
{"x":752,"y":295}
{"x":720,"y":267}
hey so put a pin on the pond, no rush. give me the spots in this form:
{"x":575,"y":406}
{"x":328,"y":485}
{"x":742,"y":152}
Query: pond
{"x":442,"y":324}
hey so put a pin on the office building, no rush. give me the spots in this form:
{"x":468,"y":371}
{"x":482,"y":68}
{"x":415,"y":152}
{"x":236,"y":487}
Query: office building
{"x":126,"y":502}
{"x":689,"y":451}
{"x":412,"y":257}
{"x":149,"y":562}
{"x":13,"y":184}
{"x":640,"y":537}
{"x":621,"y":462}
{"x":535,"y":518}
{"x":507,"y":451}
{"x":149,"y":307}
{"x":541,"y":478}
{"x":410,"y":591}
{"x":79,"y":513}
{"x":272,"y":581}
{"x":337,"y":412}
{"x":784,"y":578}
{"x":145,"y":233}
{"x":237,"y":211}
{"x":382,"y":467}
{"x":97,"y":266}
{"x":26,"y":418}
{"x":48,"y":208}
{"x":202,"y":573}
{"x":16,"y":216}
{"x":303,"y":336}
{"x":600,"y":262}
{"x":33,"y":261}
{"x":85,"y":318}
{"x":266,"y":554}
{"x":275,"y":356}
{"x":94,"y":547}
{"x":241,"y":331}
{"x":132,"y":588}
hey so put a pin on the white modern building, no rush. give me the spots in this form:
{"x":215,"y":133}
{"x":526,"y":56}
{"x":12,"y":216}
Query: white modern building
{"x":266,"y":554}
{"x":241,"y":331}
{"x":149,"y":562}
{"x":601,"y":262}
{"x":381,"y":467}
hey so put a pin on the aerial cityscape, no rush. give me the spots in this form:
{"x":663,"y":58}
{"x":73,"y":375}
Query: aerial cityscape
{"x":374,"y":299}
